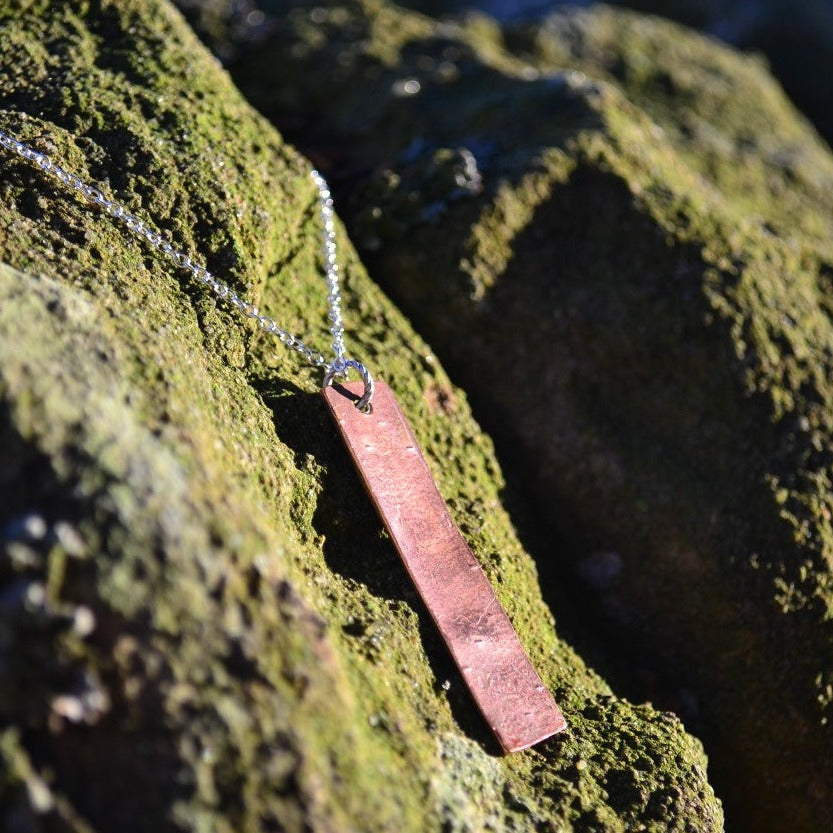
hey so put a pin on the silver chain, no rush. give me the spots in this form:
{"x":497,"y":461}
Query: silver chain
{"x":337,"y":368}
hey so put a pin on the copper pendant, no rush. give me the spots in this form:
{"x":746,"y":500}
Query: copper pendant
{"x":452,"y":584}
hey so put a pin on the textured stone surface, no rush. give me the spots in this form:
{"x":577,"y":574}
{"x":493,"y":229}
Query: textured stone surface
{"x":795,"y":38}
{"x":617,"y":234}
{"x":201,"y":626}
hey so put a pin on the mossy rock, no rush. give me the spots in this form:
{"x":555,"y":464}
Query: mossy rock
{"x":795,"y":38}
{"x":201,"y":626}
{"x":617,"y":235}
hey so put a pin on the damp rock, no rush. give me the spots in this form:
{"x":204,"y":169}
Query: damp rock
{"x":390,"y":205}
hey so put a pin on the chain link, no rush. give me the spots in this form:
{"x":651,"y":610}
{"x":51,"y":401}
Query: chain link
{"x":334,"y":369}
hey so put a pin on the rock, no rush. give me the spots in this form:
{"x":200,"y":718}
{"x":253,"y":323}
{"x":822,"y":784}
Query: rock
{"x":205,"y":630}
{"x":795,"y":38}
{"x":636,"y":298}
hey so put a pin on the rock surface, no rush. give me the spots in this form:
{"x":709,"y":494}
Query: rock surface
{"x":617,"y":235}
{"x":201,"y":627}
{"x":795,"y":38}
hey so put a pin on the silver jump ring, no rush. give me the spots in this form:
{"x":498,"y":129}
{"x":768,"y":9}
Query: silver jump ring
{"x":338,"y":370}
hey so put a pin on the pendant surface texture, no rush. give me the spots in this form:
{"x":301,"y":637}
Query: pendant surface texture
{"x":449,"y":579}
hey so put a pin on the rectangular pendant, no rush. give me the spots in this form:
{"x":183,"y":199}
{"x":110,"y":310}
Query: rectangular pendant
{"x":449,"y":579}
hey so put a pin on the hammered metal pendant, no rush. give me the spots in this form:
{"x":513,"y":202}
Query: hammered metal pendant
{"x":449,"y":579}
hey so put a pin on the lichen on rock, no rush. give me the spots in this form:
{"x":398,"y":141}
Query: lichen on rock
{"x":212,"y":632}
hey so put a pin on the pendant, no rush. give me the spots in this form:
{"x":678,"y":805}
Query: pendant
{"x":449,"y":579}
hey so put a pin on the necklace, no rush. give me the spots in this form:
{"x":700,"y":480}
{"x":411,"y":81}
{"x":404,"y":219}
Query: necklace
{"x":506,"y":688}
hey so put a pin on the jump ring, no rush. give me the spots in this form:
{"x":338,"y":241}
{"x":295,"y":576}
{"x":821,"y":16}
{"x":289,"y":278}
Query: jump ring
{"x":339,"y":369}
